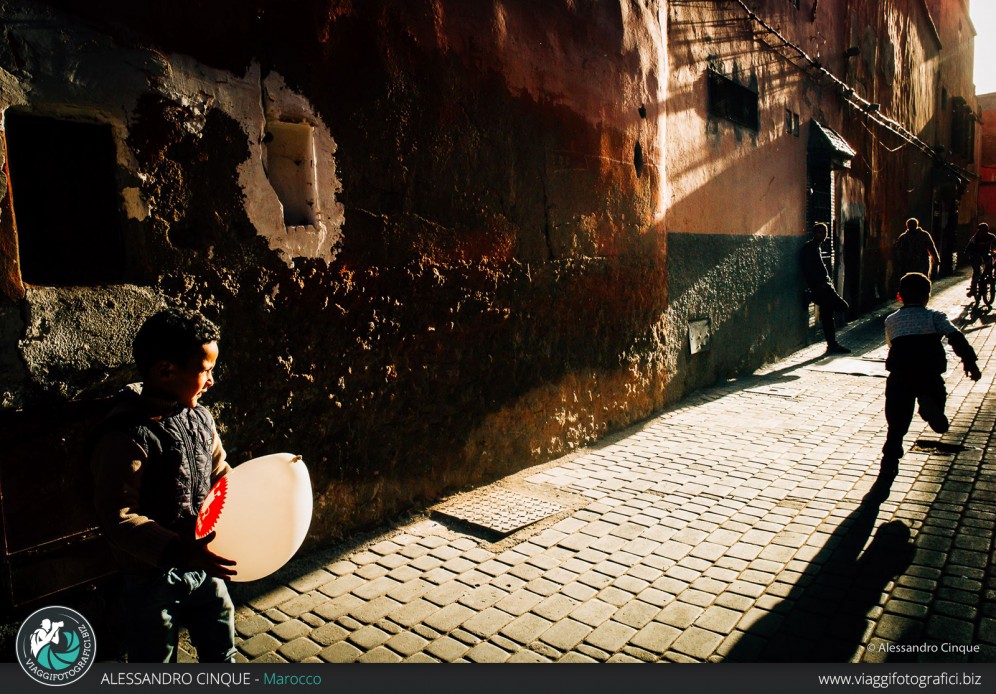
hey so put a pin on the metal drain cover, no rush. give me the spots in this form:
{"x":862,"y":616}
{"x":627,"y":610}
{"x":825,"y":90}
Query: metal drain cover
{"x":500,"y":511}
{"x":853,"y":367}
{"x":778,"y":389}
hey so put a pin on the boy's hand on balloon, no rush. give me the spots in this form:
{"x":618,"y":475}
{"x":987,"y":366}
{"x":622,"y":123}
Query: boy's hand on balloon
{"x":195,"y":554}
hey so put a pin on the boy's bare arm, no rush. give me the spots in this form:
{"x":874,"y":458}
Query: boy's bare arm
{"x":966,"y":353}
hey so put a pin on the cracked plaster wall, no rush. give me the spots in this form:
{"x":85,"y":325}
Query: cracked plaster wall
{"x":488,"y":284}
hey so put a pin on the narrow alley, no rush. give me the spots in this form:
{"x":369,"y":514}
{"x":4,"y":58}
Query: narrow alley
{"x":743,"y":524}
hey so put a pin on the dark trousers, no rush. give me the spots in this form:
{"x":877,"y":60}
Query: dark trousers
{"x":156,"y":603}
{"x":902,"y":392}
{"x":829,"y":302}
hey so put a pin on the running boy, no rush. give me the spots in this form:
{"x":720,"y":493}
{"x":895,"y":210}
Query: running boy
{"x":916,"y":365}
{"x":157,"y":455}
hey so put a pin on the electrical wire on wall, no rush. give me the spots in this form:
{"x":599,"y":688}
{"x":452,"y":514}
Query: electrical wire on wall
{"x":871,"y":111}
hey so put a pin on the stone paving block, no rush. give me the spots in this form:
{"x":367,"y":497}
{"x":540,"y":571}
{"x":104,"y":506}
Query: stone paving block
{"x":487,"y":622}
{"x":393,"y":561}
{"x":593,"y":612}
{"x":956,"y":610}
{"x":312,"y":619}
{"x":486,"y":653}
{"x":483,"y":597}
{"x":519,"y":602}
{"x":410,"y":590}
{"x":406,"y":643}
{"x":565,"y":634}
{"x":680,"y":615}
{"x":375,"y":588}
{"x":526,"y":572}
{"x":250,"y":626}
{"x":290,"y":630}
{"x":328,"y":634}
{"x":299,"y":649}
{"x":258,"y":645}
{"x":269,"y":658}
{"x":718,"y":619}
{"x":611,"y":636}
{"x":555,"y":607}
{"x":311,"y":580}
{"x":527,"y":656}
{"x":337,"y":607}
{"x":543,"y":587}
{"x":697,"y":643}
{"x":381,"y":654}
{"x":655,"y":597}
{"x":449,"y":617}
{"x":404,"y":574}
{"x":340,"y":568}
{"x":950,"y":630}
{"x":374,"y":610}
{"x":894,"y":627}
{"x":458,"y":565}
{"x":420,"y":658}
{"x":465,"y":636}
{"x":526,"y":628}
{"x":369,"y":637}
{"x":369,"y":572}
{"x":447,"y":649}
{"x":425,"y":562}
{"x":272,"y":598}
{"x":595,"y":580}
{"x":655,"y":637}
{"x":446,"y":593}
{"x":578,"y":591}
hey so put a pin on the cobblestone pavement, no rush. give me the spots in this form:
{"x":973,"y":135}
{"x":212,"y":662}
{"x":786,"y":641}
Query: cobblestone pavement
{"x":741,"y":524}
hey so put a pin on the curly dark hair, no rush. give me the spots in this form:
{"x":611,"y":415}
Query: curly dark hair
{"x":172,"y":335}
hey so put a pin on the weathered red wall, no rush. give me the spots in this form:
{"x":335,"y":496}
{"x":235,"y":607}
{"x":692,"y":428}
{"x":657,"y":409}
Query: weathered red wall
{"x":494,"y":300}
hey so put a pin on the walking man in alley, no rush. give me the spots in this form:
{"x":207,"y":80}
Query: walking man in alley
{"x":915,"y":251}
{"x":814,"y":271}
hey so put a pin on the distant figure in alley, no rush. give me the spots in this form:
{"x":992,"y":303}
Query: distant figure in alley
{"x":915,"y":251}
{"x":814,"y":271}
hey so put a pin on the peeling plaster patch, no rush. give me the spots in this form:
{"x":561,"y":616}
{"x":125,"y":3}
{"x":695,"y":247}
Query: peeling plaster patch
{"x":320,"y":239}
{"x":135,"y":206}
{"x":11,"y":90}
{"x":201,"y":88}
{"x":67,"y":332}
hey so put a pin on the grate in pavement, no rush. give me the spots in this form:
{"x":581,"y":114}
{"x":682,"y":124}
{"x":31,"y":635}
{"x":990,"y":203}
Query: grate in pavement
{"x":853,"y":367}
{"x":778,"y":389}
{"x":499,"y":511}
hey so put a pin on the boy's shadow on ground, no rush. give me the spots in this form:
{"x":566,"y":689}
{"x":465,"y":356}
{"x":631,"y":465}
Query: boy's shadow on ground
{"x":824,"y":616}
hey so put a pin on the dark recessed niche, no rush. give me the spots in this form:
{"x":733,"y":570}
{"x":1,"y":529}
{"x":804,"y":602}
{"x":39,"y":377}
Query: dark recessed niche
{"x":67,"y":210}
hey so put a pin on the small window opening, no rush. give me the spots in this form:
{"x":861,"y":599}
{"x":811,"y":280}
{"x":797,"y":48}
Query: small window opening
{"x":290,"y":167}
{"x":67,"y":211}
{"x":731,"y":101}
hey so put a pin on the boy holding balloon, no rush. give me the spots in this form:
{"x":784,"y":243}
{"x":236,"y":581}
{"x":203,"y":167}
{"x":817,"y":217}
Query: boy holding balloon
{"x":156,"y":456}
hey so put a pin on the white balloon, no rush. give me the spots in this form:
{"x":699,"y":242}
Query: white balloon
{"x":260,"y":511}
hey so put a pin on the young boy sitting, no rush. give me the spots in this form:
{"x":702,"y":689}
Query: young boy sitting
{"x":916,"y":364}
{"x":156,"y":457}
